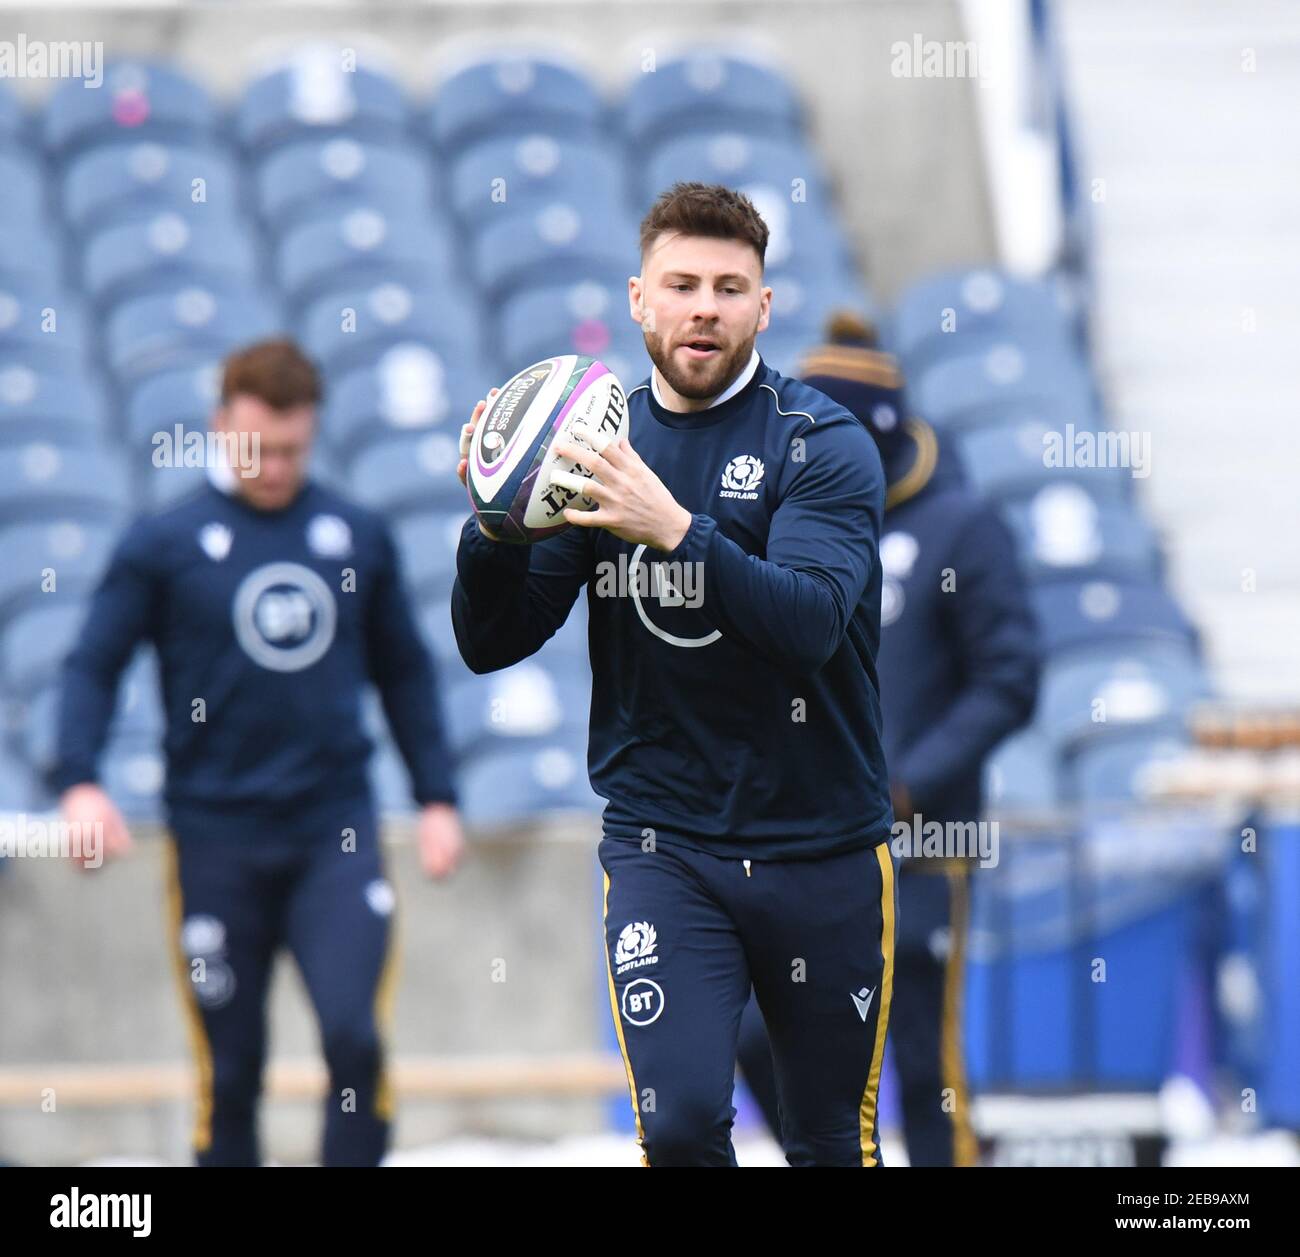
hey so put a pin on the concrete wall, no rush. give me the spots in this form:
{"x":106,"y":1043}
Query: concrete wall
{"x":87,"y":977}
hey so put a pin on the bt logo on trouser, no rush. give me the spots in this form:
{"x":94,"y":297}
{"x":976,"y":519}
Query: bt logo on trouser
{"x":643,"y":1001}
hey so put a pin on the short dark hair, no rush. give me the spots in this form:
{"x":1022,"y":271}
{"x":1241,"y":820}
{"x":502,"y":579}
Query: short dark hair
{"x":274,"y":371}
{"x":705,"y":209}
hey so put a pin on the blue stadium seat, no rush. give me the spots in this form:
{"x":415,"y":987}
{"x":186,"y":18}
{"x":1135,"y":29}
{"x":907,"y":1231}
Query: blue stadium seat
{"x":138,"y":100}
{"x":40,"y":730}
{"x":13,"y":121}
{"x":1092,"y":699}
{"x":316,"y":96}
{"x":165,"y":486}
{"x":185,"y":328}
{"x":50,"y":559}
{"x":785,"y":353}
{"x":1116,"y":770}
{"x":46,"y":333}
{"x":803,"y":231}
{"x":963,"y":312}
{"x":436,"y":628}
{"x":711,"y":91}
{"x":804,"y":239}
{"x":411,"y":388}
{"x":1017,"y":459}
{"x":139,"y":711}
{"x":19,"y":788}
{"x":390,"y":314}
{"x":31,"y":263}
{"x":803,"y":300}
{"x":320,"y":177}
{"x":739,"y":161}
{"x":165,"y":252}
{"x":514,"y":94}
{"x":570,"y":642}
{"x":127,"y":182}
{"x":1021,"y":775}
{"x":427,"y":544}
{"x":1062,"y":533}
{"x":66,"y":409}
{"x":137,"y":715}
{"x":511,"y":175}
{"x":533,"y":701}
{"x":565,"y":654}
{"x":558,"y":243}
{"x":585,"y":317}
{"x":40,"y":481}
{"x":411,"y":472}
{"x":389,"y":781}
{"x":388,"y":773}
{"x":1095,"y":615}
{"x":24,"y":199}
{"x":325,"y":469}
{"x":374,"y":724}
{"x":985,"y":388}
{"x":517,"y":785}
{"x":186,"y":396}
{"x":36,"y":641}
{"x":360,"y":247}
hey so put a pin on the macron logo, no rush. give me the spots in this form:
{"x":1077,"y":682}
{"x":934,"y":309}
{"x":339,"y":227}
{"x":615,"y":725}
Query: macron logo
{"x":103,"y":1210}
{"x":862,"y":1002}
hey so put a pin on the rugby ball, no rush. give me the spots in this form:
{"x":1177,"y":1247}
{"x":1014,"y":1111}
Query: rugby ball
{"x":510,"y":457}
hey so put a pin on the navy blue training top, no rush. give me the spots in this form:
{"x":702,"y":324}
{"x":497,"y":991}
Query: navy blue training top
{"x":959,"y":655}
{"x":749,"y":723}
{"x":277,"y":621}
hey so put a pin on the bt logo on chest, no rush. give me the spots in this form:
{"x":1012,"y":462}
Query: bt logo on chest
{"x":284,"y":616}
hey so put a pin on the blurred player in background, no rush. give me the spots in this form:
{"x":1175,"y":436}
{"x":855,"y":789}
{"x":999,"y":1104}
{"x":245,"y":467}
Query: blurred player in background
{"x":735,"y":721}
{"x":272,"y":603}
{"x":959,"y":672}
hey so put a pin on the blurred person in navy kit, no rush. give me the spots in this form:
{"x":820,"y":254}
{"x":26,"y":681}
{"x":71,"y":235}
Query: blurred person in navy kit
{"x":272,"y":602}
{"x":958,"y":673}
{"x":736,"y":737}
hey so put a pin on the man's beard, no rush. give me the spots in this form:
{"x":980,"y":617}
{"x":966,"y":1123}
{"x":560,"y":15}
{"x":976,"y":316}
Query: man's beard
{"x":707,"y":380}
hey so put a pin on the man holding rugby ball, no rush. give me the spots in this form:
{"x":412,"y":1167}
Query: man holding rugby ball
{"x":736,"y":734}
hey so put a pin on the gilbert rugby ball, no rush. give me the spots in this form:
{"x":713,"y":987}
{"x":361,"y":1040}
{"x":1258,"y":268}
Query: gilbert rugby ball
{"x":510,"y":458}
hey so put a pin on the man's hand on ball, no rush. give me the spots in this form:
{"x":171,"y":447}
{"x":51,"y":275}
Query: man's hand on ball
{"x":467,"y":435}
{"x":631,"y":501}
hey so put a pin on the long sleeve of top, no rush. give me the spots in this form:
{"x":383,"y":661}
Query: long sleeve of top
{"x":269,"y":628}
{"x":508,"y":600}
{"x":403,"y":672}
{"x":734,"y":703}
{"x":793,"y":607}
{"x":989,"y":631}
{"x":121,"y":615}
